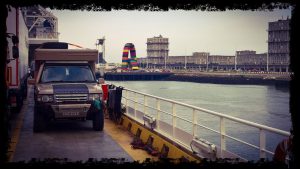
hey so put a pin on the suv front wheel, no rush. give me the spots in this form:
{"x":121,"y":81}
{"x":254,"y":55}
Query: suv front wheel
{"x":98,"y":120}
{"x":39,"y":122}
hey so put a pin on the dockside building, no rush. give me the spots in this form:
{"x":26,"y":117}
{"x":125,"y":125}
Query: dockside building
{"x":157,"y":50}
{"x":277,"y":58}
{"x":278,"y":45}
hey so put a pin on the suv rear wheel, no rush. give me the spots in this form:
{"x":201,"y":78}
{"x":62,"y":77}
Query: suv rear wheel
{"x":98,"y":120}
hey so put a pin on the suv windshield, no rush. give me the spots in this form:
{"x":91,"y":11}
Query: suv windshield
{"x":67,"y":73}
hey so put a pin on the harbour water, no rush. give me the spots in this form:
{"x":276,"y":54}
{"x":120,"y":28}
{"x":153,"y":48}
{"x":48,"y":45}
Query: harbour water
{"x":263,"y":104}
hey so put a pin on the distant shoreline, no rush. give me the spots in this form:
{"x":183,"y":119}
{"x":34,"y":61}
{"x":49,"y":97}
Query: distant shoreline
{"x":204,"y":77}
{"x":239,"y":80}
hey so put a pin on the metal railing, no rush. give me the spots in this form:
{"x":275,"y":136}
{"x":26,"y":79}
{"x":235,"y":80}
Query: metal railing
{"x":44,"y":35}
{"x":222,"y":127}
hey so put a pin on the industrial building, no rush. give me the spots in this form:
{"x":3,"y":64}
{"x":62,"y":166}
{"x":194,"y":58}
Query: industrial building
{"x":158,"y":47}
{"x":277,"y":59}
{"x":278,"y":45}
{"x":250,"y":60}
{"x":157,"y":50}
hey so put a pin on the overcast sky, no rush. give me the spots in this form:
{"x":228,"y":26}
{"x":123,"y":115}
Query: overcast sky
{"x":219,"y":33}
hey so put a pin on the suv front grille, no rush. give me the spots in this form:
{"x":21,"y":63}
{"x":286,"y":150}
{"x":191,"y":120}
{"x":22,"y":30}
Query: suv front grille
{"x":70,"y":97}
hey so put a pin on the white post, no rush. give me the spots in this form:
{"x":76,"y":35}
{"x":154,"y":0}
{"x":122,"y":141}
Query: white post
{"x":135,"y":105}
{"x":145,"y":104}
{"x":158,"y":112}
{"x":103,"y":50}
{"x":97,"y":46}
{"x":147,"y":63}
{"x":267,"y":61}
{"x":174,"y":119}
{"x":262,"y":143}
{"x":126,"y":101}
{"x":194,"y":123}
{"x":185,"y":62}
{"x":235,"y":58}
{"x":165,"y":62}
{"x":207,"y":62}
{"x":223,"y":141}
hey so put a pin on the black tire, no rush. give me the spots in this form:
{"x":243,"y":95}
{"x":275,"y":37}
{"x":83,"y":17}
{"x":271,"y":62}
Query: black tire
{"x":39,"y":122}
{"x":98,"y":120}
{"x":19,"y":103}
{"x":25,"y":91}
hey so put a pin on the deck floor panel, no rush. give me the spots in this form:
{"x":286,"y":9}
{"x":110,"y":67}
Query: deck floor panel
{"x":74,"y":140}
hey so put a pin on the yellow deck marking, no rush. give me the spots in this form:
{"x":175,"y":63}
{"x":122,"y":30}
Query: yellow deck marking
{"x":122,"y":137}
{"x":17,"y":129}
{"x":174,"y":151}
{"x":15,"y":136}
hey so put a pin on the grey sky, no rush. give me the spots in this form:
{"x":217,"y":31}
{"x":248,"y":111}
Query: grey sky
{"x":220,"y":33}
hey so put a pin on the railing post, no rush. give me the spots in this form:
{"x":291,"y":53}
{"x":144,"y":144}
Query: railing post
{"x":135,"y":104}
{"x":174,"y":119}
{"x":195,"y":121}
{"x":223,"y":140}
{"x":126,"y":101}
{"x":262,"y":137}
{"x":145,"y":104}
{"x":262,"y":143}
{"x":158,"y":113}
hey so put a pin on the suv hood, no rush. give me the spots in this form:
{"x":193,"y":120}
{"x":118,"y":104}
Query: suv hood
{"x":64,"y":88}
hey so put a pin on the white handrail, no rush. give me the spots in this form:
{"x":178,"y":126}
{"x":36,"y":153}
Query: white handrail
{"x":222,"y":129}
{"x":267,"y":128}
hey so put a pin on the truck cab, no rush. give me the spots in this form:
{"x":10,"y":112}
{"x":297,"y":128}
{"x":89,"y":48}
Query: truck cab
{"x":65,"y":86}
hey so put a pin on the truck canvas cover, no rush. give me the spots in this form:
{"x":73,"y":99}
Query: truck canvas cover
{"x":66,"y":54}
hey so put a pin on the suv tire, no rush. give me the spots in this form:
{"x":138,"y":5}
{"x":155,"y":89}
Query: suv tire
{"x":98,"y":120}
{"x":39,"y":122}
{"x":19,"y":103}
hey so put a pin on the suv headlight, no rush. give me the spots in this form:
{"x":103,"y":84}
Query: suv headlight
{"x":95,"y":96}
{"x":45,"y":98}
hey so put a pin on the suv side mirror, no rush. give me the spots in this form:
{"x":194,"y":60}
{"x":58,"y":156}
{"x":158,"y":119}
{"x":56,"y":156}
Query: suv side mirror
{"x":15,"y":52}
{"x":15,"y":39}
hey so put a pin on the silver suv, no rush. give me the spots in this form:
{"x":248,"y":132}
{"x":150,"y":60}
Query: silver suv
{"x":67,"y":91}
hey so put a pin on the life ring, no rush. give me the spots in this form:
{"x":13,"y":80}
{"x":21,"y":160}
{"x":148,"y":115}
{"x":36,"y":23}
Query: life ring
{"x":129,"y":63}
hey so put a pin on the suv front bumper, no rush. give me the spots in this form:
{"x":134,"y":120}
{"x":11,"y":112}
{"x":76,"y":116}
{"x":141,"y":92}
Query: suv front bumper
{"x":71,"y":110}
{"x":66,"y":111}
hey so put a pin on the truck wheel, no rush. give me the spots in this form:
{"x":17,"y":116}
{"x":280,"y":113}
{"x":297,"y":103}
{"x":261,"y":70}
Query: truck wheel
{"x":98,"y":120}
{"x":39,"y":122}
{"x":19,"y":102}
{"x":25,"y":92}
